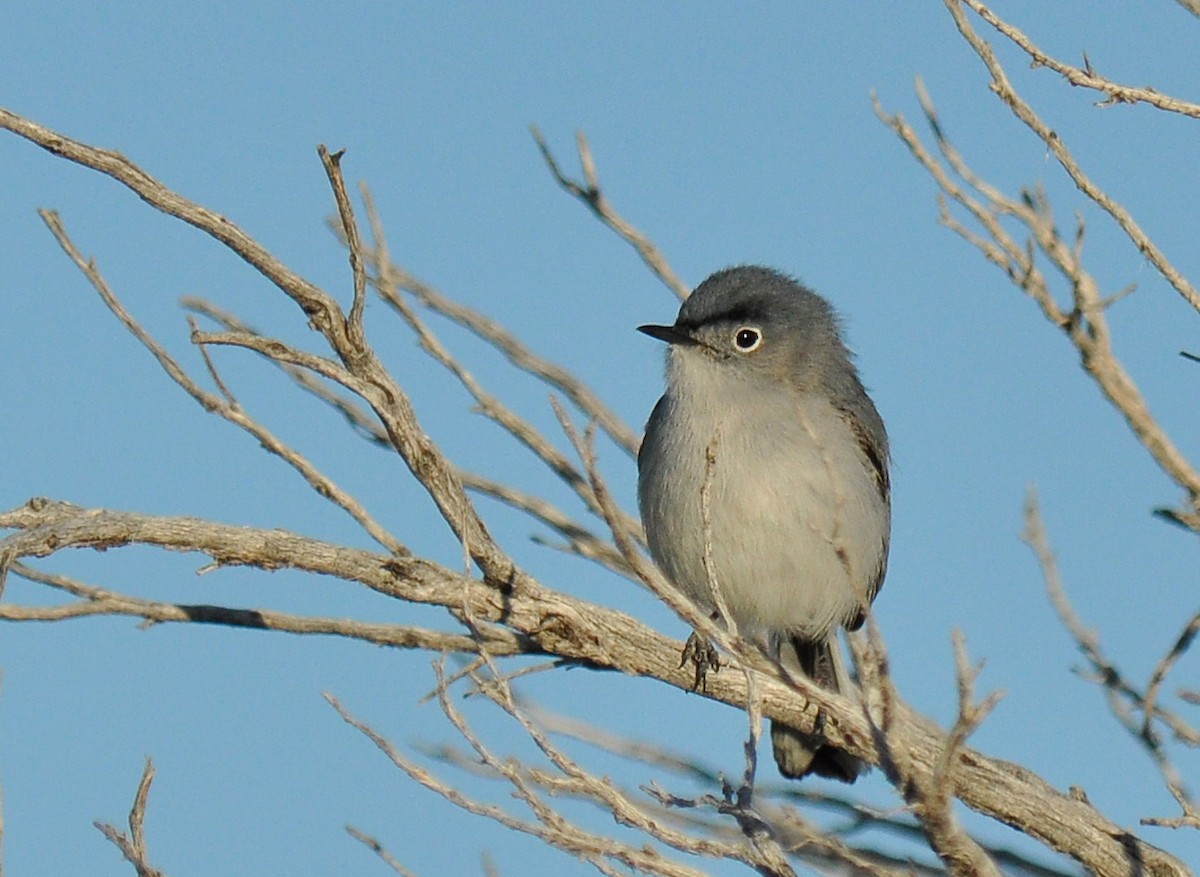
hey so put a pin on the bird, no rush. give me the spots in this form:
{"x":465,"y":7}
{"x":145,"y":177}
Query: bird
{"x":766,"y":454}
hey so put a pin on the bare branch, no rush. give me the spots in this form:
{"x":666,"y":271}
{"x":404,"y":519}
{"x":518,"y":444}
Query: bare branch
{"x":820,"y":845}
{"x":545,"y":621}
{"x":333,"y":169}
{"x":354,"y":414}
{"x":1004,"y":90}
{"x":551,"y":828}
{"x":970,"y":714}
{"x":579,"y":540}
{"x":1115,"y":93}
{"x":572,"y":776}
{"x":377,"y":848}
{"x":929,"y":790}
{"x":589,"y":193}
{"x":1084,"y":323}
{"x":133,"y":845}
{"x":516,"y":352}
{"x":99,"y":601}
{"x":391,"y":278}
{"x":489,"y":405}
{"x":1120,"y":694}
{"x":225,"y":406}
{"x":423,"y":458}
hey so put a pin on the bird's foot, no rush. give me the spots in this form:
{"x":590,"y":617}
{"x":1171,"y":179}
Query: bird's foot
{"x":704,"y":657}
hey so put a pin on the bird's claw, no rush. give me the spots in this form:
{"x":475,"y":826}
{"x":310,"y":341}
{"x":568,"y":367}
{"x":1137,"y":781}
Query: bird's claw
{"x":704,"y":657}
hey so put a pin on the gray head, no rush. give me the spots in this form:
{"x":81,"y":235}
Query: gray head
{"x":768,"y":327}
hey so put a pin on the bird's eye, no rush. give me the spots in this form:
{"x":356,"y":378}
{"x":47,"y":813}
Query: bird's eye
{"x":747,"y":338}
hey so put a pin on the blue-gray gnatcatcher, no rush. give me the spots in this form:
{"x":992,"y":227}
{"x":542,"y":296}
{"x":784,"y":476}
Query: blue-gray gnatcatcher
{"x":763,"y":480}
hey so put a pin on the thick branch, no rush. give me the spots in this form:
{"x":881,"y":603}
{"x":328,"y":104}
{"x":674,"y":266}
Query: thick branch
{"x":543,"y":620}
{"x":560,"y":625}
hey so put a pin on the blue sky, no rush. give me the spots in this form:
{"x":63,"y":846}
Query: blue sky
{"x":728,"y":134}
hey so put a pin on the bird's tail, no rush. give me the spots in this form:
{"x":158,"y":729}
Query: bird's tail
{"x":797,"y":753}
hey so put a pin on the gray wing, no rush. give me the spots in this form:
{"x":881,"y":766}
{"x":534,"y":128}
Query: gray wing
{"x":872,"y":441}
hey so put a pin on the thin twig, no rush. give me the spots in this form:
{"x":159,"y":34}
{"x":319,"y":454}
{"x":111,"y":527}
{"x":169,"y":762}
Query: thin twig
{"x":929,"y":792}
{"x":1023,"y":111}
{"x":96,"y":601}
{"x":573,"y":776}
{"x":1084,"y":323}
{"x":377,"y":848}
{"x":745,"y":793}
{"x":389,"y":275}
{"x":1163,"y":667}
{"x":710,"y":571}
{"x":589,"y":193}
{"x":333,"y":169}
{"x":133,"y":845}
{"x":1085,"y":77}
{"x":1116,"y":689}
{"x":579,"y":540}
{"x":224,"y":406}
{"x":550,"y":827}
{"x":488,"y":404}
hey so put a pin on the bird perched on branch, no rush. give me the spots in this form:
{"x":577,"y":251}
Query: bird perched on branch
{"x":763,"y":481}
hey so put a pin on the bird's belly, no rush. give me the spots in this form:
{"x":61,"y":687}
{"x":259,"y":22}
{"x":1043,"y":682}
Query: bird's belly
{"x":795,"y":527}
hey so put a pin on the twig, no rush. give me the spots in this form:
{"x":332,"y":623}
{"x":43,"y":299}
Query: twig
{"x":929,"y":791}
{"x":1085,"y":323}
{"x":571,"y":775}
{"x":99,"y":601}
{"x":745,"y":794}
{"x":333,"y":169}
{"x":488,"y":404}
{"x":579,"y":540}
{"x":970,"y":714}
{"x":390,"y":276}
{"x":550,"y":828}
{"x":1116,"y":689}
{"x":133,"y":845}
{"x":589,"y":193}
{"x":818,"y":845}
{"x":710,"y":570}
{"x":377,"y":848}
{"x":422,"y":457}
{"x":1163,"y":667}
{"x":1086,"y":77}
{"x":225,"y":406}
{"x":1022,"y":110}
{"x":516,"y":352}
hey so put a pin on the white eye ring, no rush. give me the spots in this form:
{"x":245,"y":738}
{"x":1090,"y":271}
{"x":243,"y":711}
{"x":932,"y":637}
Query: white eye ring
{"x":747,"y":339}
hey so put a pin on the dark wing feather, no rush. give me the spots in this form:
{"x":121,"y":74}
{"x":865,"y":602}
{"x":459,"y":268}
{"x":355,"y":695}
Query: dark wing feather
{"x":876,"y":457}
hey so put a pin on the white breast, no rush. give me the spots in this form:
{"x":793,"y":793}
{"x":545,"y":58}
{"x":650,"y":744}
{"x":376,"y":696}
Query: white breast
{"x":797,"y":524}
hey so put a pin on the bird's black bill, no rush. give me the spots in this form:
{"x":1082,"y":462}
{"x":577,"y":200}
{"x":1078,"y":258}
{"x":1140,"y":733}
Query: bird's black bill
{"x":670,"y":334}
